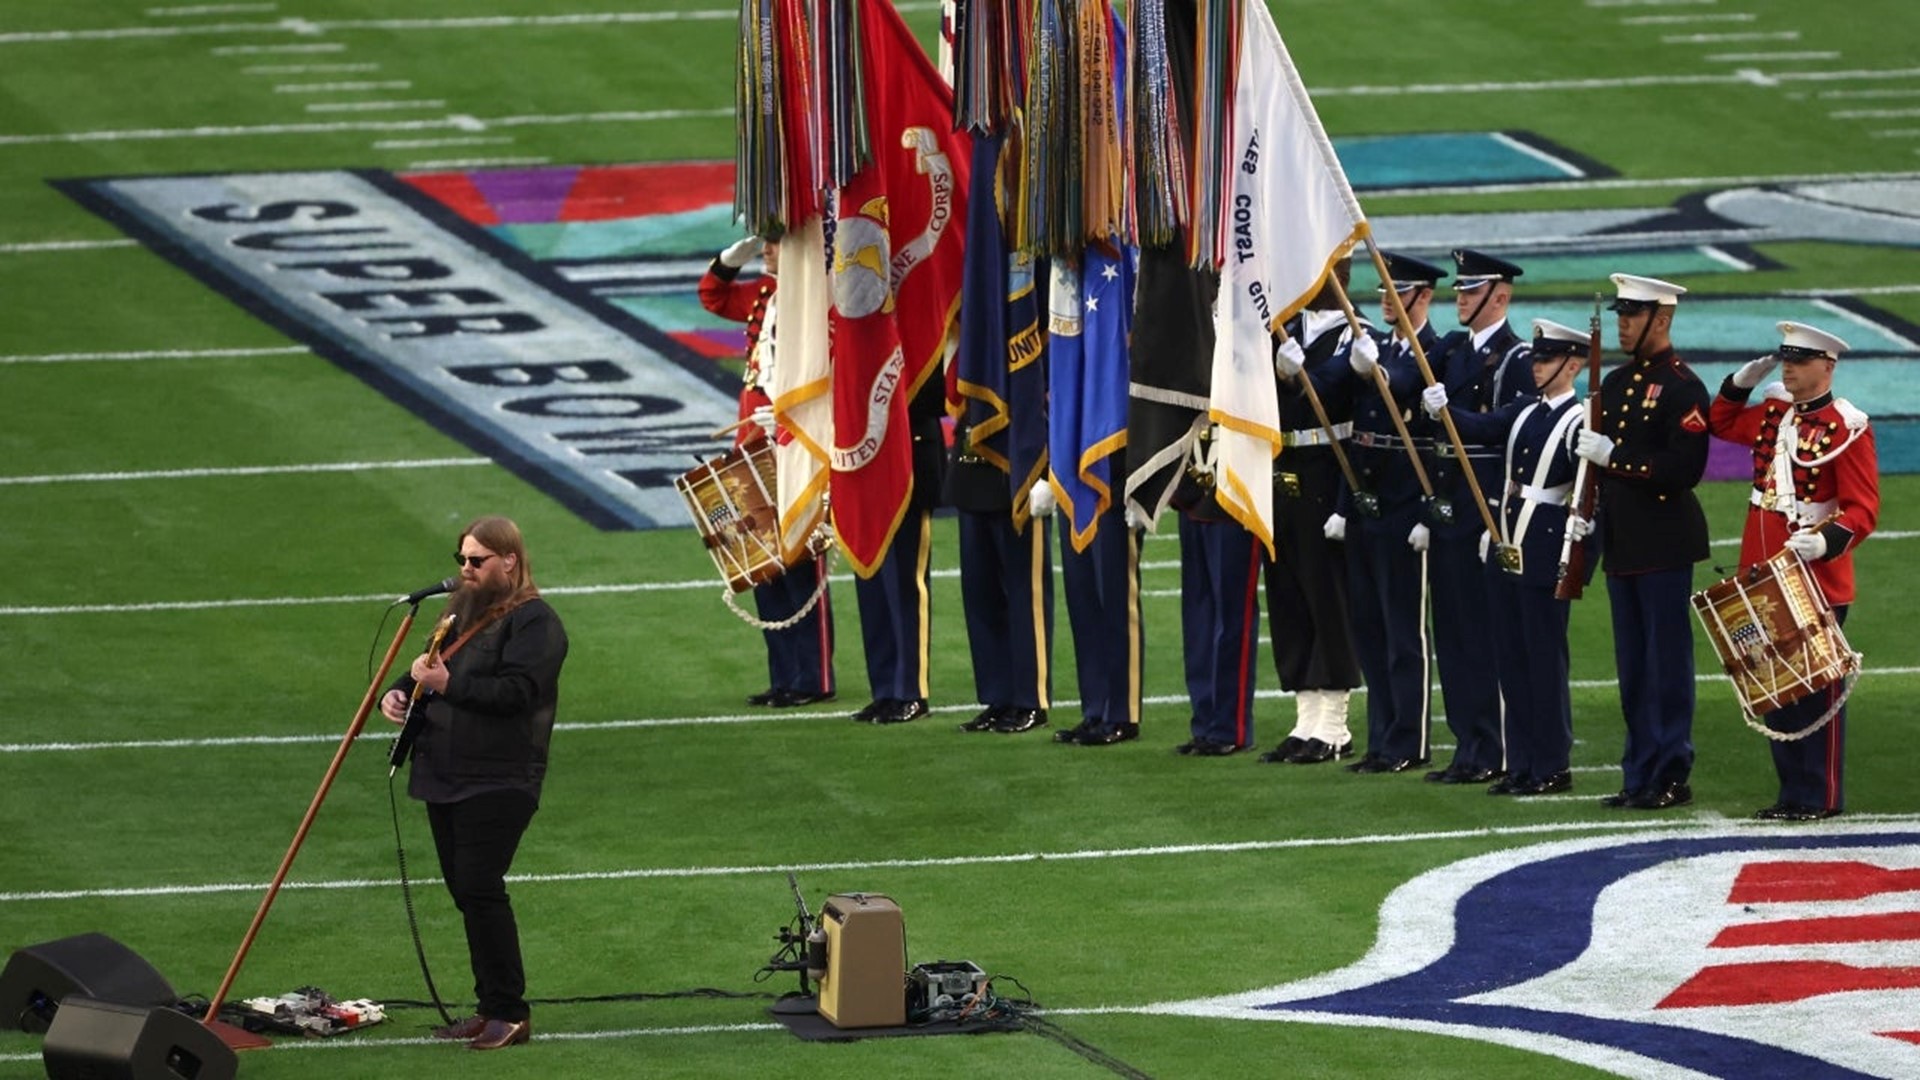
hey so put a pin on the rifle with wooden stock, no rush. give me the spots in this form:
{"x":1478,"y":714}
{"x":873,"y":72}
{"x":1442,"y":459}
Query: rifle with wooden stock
{"x":1586,"y":478}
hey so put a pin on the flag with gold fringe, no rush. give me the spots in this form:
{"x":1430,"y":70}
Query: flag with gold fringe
{"x":1289,"y":216}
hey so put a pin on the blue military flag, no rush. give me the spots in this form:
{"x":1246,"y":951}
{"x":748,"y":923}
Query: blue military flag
{"x":1091,"y":317}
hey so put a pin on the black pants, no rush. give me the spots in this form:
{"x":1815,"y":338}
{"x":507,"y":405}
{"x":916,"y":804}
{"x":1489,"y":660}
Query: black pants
{"x":476,"y":839}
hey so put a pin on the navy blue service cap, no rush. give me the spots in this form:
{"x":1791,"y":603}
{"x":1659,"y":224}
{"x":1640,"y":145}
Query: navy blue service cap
{"x":1410,"y":273}
{"x":1477,"y":268}
{"x":1551,"y":340}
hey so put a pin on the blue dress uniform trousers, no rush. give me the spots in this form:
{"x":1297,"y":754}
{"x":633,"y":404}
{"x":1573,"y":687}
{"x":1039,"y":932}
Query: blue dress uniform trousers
{"x":1653,"y":654}
{"x":1102,"y":587}
{"x":894,"y":612}
{"x":1812,"y":769}
{"x":1220,"y":574}
{"x":1530,"y":641}
{"x":1387,"y":580}
{"x":800,"y":657}
{"x":1006,"y":587}
{"x":1469,"y":670}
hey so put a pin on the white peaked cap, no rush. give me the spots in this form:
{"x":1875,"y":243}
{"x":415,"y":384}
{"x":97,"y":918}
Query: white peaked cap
{"x":1553,"y":331}
{"x":1647,"y":290}
{"x":1801,"y":336}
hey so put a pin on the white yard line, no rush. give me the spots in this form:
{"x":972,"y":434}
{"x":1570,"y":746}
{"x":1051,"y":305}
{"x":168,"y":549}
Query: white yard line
{"x":1671,"y":822}
{"x":244,"y":470}
{"x":152,"y":354}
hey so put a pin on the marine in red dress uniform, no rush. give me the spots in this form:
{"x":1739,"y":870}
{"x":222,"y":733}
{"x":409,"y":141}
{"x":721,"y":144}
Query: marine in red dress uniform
{"x":800,"y":656}
{"x":1816,"y":490}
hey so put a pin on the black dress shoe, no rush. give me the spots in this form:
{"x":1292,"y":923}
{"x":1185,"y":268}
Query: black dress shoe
{"x":1365,"y":764}
{"x":787,"y":699}
{"x":1108,"y":734}
{"x":1442,"y":776}
{"x":1794,"y":812}
{"x":1399,"y":765}
{"x":1072,"y":734}
{"x":1204,"y":748}
{"x":764,"y":697}
{"x":1186,"y":747}
{"x":1664,"y":797}
{"x":1317,"y":751}
{"x":1619,"y":800}
{"x":900,"y":712}
{"x":873,"y":709}
{"x":1020,"y":721}
{"x":1507,"y":785}
{"x":1288,"y":747}
{"x":1552,"y":785}
{"x":982,"y":720}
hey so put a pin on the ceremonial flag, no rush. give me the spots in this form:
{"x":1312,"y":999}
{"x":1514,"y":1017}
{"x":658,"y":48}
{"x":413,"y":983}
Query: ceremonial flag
{"x":897,"y":267}
{"x":801,"y":385}
{"x":1290,"y":216}
{"x":1092,"y":315}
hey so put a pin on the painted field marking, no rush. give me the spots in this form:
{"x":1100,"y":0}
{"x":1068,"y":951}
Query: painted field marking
{"x":1723,"y":39}
{"x":455,"y":140}
{"x":1676,"y":20}
{"x":155,"y":354}
{"x":245,"y":470}
{"x":479,"y":163}
{"x":65,"y":245}
{"x":1749,"y":58}
{"x":1708,"y":818}
{"x":830,"y":711}
{"x":374,"y":106}
{"x":308,"y":69}
{"x":343,"y":87}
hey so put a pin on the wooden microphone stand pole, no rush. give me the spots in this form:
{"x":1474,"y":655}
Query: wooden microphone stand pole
{"x":240,"y":1038}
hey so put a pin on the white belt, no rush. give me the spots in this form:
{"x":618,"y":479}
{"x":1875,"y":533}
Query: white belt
{"x":1315,"y":436}
{"x":1806,"y":513}
{"x":1550,"y":496}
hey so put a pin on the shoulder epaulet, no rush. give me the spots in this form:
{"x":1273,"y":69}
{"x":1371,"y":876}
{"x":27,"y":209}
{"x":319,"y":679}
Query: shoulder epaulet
{"x":1776,"y":391}
{"x":1850,"y":413}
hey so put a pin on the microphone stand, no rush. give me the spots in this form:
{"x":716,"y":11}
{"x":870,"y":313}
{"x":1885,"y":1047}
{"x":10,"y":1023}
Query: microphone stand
{"x":240,"y":1038}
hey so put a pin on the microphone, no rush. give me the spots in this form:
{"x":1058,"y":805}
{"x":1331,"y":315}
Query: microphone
{"x":435,"y":589}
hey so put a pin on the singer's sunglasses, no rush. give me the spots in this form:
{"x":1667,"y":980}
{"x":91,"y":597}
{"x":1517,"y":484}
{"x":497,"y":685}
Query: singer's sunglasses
{"x":475,"y":561}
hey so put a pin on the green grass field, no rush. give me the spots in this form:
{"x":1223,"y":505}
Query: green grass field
{"x":191,"y":601}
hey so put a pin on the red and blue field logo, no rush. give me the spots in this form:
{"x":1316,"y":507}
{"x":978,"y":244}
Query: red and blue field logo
{"x":1741,"y":954}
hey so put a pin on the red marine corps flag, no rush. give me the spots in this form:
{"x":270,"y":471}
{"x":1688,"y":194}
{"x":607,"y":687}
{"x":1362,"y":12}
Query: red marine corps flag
{"x":897,"y":262}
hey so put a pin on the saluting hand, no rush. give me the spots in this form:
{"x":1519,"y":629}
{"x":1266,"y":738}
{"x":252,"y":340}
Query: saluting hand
{"x":1753,"y":371}
{"x":741,"y":252}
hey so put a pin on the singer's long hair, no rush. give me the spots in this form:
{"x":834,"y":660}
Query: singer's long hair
{"x":501,"y":536}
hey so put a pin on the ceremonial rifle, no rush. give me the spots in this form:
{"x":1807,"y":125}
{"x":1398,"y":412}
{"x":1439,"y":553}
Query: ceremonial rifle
{"x":1586,"y":478}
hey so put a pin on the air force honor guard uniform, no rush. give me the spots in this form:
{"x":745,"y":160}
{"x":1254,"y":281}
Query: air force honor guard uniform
{"x":1387,"y":538}
{"x":1651,"y":448}
{"x":1529,"y":625}
{"x":1816,"y":490}
{"x":1484,"y":367}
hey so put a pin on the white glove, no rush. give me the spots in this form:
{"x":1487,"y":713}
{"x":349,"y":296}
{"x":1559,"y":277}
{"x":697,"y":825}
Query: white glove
{"x":1335,"y":528}
{"x":741,"y":252}
{"x":1136,"y":517}
{"x":1433,"y":401}
{"x":1754,"y":371}
{"x":1807,"y":544}
{"x":1578,"y":527}
{"x":1419,"y":537}
{"x":1595,"y":447}
{"x":1486,"y":542}
{"x":1040,"y":500}
{"x":1289,"y":358}
{"x":763,"y":415}
{"x":1364,"y":358}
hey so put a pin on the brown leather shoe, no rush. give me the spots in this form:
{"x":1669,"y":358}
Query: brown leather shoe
{"x":502,"y":1033}
{"x":461,"y":1029}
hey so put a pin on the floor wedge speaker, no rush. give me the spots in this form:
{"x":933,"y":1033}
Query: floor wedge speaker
{"x":103,"y":1040}
{"x":37,"y":977}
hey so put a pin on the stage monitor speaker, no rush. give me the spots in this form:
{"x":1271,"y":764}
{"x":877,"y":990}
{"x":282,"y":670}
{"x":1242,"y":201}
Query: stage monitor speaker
{"x":90,"y":965}
{"x":865,"y":984}
{"x":103,"y":1040}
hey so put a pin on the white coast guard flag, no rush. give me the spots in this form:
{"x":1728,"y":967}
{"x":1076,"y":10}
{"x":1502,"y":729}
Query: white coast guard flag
{"x":1290,"y":216}
{"x":802,"y":384}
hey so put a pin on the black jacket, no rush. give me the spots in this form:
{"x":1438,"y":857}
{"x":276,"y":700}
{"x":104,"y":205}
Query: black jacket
{"x":1655,"y":411}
